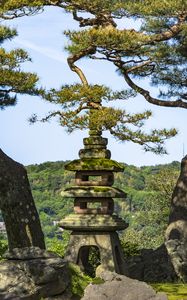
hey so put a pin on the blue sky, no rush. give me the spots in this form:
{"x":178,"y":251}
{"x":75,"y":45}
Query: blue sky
{"x":42,"y":36}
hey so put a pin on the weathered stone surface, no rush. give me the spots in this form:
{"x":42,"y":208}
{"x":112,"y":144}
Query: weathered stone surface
{"x":95,"y":140}
{"x":151,"y":266}
{"x":17,"y":206}
{"x":90,"y":222}
{"x":67,"y":295}
{"x":28,"y":253}
{"x":179,"y":197}
{"x":94,"y":153}
{"x":33,"y":278}
{"x":121,"y":288}
{"x":94,"y":164}
{"x":82,"y":206}
{"x":101,"y":178}
{"x":108,"y":244}
{"x":93,"y":191}
{"x":176,"y":233}
{"x":177,"y":251}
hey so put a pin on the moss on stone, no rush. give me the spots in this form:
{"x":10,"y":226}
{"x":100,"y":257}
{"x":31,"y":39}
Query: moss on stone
{"x":89,"y":164}
{"x":97,"y":140}
{"x":79,"y":280}
{"x":174,"y":291}
{"x":93,"y":191}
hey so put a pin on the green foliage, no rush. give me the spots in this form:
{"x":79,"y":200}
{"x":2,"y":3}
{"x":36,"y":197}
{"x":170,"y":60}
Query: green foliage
{"x":156,"y":8}
{"x":3,"y":246}
{"x":79,"y":280}
{"x":130,"y":248}
{"x":93,"y":260}
{"x":47,"y":181}
{"x":12,"y":80}
{"x":148,"y":216}
{"x":59,"y":246}
{"x":104,"y":37}
{"x":173,"y":291}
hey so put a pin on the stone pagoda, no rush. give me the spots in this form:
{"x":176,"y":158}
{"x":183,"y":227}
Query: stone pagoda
{"x":93,"y":223}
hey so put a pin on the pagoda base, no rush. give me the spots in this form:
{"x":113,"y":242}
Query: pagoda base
{"x":107,"y":243}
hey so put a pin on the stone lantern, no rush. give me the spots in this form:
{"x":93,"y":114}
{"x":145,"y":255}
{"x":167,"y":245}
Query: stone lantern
{"x":93,"y":223}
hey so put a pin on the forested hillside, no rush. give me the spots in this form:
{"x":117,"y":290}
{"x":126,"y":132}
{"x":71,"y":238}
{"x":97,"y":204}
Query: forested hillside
{"x":146,"y":206}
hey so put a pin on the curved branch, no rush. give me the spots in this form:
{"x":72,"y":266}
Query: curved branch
{"x":23,"y":11}
{"x":73,"y":58}
{"x":85,"y":22}
{"x":102,"y":19}
{"x":148,"y":97}
{"x":172,"y":32}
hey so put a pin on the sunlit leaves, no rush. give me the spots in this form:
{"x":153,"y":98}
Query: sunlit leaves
{"x":6,"y":33}
{"x":154,"y":8}
{"x":12,"y":59}
{"x":108,"y":38}
{"x":13,"y":81}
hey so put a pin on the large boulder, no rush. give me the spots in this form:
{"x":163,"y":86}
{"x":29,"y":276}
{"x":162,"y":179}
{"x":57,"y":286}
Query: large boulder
{"x":32,"y":273}
{"x":120,"y":287}
{"x":17,"y":206}
{"x":177,"y":250}
{"x":152,"y":266}
{"x":176,"y":233}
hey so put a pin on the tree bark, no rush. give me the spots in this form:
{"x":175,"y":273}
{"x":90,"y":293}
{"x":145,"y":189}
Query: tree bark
{"x":17,"y":206}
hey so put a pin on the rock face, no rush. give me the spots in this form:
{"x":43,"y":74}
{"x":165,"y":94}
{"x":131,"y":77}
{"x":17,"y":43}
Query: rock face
{"x":176,"y":233}
{"x":152,"y":266}
{"x":32,"y":273}
{"x":120,"y":287}
{"x":17,"y":206}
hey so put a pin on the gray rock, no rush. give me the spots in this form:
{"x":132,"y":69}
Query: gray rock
{"x":176,"y":232}
{"x":120,"y":287}
{"x":152,"y":266}
{"x":17,"y":206}
{"x":177,"y":250}
{"x":67,"y":295}
{"x":28,"y":253}
{"x":33,"y":278}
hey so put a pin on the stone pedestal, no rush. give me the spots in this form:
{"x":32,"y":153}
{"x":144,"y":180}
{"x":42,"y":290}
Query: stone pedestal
{"x":109,"y":247}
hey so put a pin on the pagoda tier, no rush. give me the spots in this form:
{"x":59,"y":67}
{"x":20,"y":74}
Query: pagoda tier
{"x":94,"y":222}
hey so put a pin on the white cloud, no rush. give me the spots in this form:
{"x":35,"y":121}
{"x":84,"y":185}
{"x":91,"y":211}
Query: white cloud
{"x":49,"y":52}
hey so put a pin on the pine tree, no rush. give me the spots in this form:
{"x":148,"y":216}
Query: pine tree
{"x":153,"y":49}
{"x":13,"y":81}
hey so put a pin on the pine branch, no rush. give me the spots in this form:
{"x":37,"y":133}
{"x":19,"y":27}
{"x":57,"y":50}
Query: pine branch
{"x":147,"y":96}
{"x":73,"y":58}
{"x":172,"y":32}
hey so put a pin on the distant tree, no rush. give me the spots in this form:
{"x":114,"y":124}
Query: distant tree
{"x":150,"y":219}
{"x":163,"y":183}
{"x":154,"y":48}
